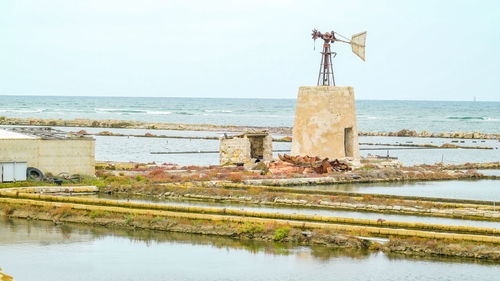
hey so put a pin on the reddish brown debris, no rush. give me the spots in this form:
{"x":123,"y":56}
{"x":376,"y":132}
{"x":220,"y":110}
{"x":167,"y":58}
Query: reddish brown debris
{"x":307,"y":164}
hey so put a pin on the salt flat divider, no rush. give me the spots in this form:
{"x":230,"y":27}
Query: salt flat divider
{"x":243,"y":213}
{"x":460,"y":202}
{"x":366,"y":230}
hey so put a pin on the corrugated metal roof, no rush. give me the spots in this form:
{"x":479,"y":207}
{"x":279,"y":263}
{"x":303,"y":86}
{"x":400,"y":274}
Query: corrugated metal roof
{"x":6,"y":134}
{"x":44,"y":133}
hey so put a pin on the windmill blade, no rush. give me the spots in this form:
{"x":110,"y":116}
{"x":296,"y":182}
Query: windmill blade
{"x":358,"y":44}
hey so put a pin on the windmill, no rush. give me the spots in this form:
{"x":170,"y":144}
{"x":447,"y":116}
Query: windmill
{"x":357,"y":42}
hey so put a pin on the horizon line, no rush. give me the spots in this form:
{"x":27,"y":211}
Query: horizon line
{"x":263,"y":98}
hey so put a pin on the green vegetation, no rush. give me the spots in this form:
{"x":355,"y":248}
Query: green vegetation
{"x":24,"y":184}
{"x":157,"y":219}
{"x":98,"y":213}
{"x":281,"y":233}
{"x":129,"y":218}
{"x":251,"y":228}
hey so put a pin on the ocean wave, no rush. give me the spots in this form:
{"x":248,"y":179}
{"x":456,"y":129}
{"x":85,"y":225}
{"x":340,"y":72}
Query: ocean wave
{"x":66,"y":110}
{"x":218,"y":110}
{"x":120,"y":110}
{"x":159,"y":112}
{"x":22,"y":110}
{"x":395,"y":118}
{"x":467,"y":118}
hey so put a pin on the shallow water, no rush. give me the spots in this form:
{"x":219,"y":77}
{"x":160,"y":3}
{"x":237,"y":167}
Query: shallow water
{"x":321,"y":212}
{"x":33,"y":250}
{"x":417,"y":156}
{"x":138,"y":149}
{"x":488,"y":190}
{"x":492,"y":172}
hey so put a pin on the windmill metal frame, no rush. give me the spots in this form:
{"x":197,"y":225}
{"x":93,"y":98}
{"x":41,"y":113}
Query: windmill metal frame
{"x":326,"y":76}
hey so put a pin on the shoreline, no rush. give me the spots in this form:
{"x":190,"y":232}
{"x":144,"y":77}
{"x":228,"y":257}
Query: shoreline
{"x":130,"y":124}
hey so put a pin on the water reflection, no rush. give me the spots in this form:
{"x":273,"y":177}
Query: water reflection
{"x":36,"y":250}
{"x":16,"y":231}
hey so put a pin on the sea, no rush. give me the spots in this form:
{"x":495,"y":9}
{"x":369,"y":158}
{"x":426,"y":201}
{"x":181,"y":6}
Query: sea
{"x":373,"y":115}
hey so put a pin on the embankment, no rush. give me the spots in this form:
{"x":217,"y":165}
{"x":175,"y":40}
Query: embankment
{"x":224,"y":128}
{"x":406,"y":238}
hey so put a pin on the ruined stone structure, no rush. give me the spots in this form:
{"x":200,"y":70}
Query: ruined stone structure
{"x":325,"y":123}
{"x":246,"y":148}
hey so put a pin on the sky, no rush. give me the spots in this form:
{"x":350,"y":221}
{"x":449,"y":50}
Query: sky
{"x":416,"y":50}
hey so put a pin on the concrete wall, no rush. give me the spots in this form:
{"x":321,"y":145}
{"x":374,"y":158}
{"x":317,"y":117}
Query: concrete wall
{"x":322,"y":115}
{"x":75,"y":156}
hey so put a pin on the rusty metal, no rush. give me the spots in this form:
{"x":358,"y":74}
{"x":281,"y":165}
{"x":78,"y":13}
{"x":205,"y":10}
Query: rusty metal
{"x":319,"y":165}
{"x":326,"y":77}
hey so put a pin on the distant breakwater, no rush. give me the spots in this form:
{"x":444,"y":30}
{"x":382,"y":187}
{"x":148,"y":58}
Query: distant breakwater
{"x":128,"y":124}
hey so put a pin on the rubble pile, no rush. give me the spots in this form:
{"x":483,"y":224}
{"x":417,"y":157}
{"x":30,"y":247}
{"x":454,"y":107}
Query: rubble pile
{"x":306,"y":164}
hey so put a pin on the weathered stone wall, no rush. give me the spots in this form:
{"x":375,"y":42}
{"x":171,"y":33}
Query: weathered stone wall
{"x":322,"y":115}
{"x":268,"y":148}
{"x":234,"y":150}
{"x":242,"y":149}
{"x":52,"y":156}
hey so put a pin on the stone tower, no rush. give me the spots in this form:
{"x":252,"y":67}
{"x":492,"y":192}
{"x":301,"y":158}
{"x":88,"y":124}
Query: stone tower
{"x":325,"y":123}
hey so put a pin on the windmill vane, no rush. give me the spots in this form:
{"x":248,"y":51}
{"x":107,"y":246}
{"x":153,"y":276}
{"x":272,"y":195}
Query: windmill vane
{"x":326,"y":76}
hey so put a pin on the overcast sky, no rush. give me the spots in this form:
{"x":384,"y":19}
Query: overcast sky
{"x":416,"y":50}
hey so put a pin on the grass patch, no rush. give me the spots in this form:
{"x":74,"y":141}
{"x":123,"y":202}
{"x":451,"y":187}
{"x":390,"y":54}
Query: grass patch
{"x":250,"y":228}
{"x":281,"y":233}
{"x":129,"y":219}
{"x":24,"y":184}
{"x":98,"y":213}
{"x":61,"y":212}
{"x":156,"y":219}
